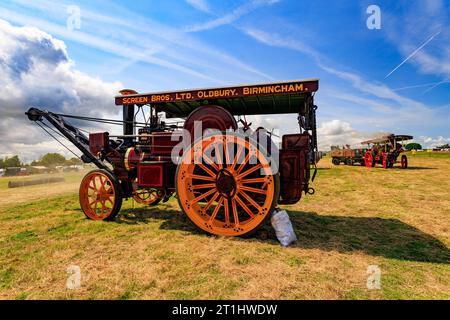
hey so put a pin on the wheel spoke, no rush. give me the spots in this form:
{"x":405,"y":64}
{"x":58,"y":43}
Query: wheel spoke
{"x":203,"y":196}
{"x":244,"y":206}
{"x":110,"y":201}
{"x":208,"y":171}
{"x":209,"y":204}
{"x":246,"y":160}
{"x":225,"y":151}
{"x":216,"y":210}
{"x":246,"y":173}
{"x":103,"y":207}
{"x":218,"y":156}
{"x":199,"y":177}
{"x":256,"y":180}
{"x":227,"y":213}
{"x":210,"y":162}
{"x":249,"y":199}
{"x":204,"y":186}
{"x":236,"y":158}
{"x":250,"y":189}
{"x":103,"y":181}
{"x":235,"y":213}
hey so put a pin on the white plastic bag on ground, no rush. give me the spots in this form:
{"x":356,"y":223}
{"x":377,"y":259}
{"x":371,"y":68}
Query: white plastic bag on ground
{"x":283,"y":227}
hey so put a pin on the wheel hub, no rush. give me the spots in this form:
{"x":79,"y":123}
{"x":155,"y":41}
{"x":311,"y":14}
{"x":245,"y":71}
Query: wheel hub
{"x":225,"y":183}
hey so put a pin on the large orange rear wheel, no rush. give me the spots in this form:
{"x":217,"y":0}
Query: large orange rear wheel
{"x":225,"y":185}
{"x":100,"y":195}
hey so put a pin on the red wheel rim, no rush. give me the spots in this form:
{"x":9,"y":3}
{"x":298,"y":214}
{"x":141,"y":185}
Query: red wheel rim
{"x":385,"y":162}
{"x":404,"y":162}
{"x":368,"y":159}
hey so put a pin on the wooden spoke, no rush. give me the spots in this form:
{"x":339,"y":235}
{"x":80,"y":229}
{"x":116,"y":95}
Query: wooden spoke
{"x":227,"y":155}
{"x":227,"y":212}
{"x":246,"y":160}
{"x":256,"y":180}
{"x":210,"y":162}
{"x":203,"y":196}
{"x":254,"y":190}
{"x":236,"y":158}
{"x":209,"y":204}
{"x":252,"y":169}
{"x":208,"y":171}
{"x":103,"y":207}
{"x":218,"y":156}
{"x":244,"y":206}
{"x":249,"y":199}
{"x":102,"y":181}
{"x":204,"y":186}
{"x":235,"y":212}
{"x":199,"y":177}
{"x":216,"y":210}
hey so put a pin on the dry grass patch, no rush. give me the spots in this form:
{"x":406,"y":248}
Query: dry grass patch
{"x":396,"y":219}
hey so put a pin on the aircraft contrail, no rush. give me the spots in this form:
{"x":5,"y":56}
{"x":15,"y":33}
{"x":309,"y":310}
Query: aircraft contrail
{"x":437,"y":85}
{"x":413,"y":54}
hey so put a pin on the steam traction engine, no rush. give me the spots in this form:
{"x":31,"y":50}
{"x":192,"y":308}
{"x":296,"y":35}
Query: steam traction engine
{"x":225,"y":179}
{"x":386,"y":151}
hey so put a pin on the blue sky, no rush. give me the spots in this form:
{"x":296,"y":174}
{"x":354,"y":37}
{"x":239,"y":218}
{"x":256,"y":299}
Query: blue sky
{"x":163,"y":45}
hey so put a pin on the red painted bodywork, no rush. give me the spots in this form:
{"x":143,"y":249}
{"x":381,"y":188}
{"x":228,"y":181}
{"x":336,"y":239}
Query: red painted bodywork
{"x":151,"y":175}
{"x":98,"y":142}
{"x":294,"y":167}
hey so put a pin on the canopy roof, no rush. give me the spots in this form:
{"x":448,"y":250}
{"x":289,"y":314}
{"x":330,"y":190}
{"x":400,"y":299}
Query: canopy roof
{"x":267,"y":98}
{"x":388,"y":138}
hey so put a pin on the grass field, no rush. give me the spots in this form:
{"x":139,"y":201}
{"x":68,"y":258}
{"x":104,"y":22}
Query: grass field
{"x":396,"y":219}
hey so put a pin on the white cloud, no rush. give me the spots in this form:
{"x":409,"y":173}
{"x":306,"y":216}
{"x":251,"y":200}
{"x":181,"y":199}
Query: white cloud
{"x":36,"y":71}
{"x":232,"y":16}
{"x":145,"y":40}
{"x":201,"y":5}
{"x":432,"y":142}
{"x":338,"y":132}
{"x":275,"y":40}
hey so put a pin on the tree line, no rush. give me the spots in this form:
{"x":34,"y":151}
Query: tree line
{"x":47,"y":160}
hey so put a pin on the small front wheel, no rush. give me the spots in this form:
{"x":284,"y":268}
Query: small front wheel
{"x":404,"y":162}
{"x":385,"y":162}
{"x":100,"y":195}
{"x":369,"y":160}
